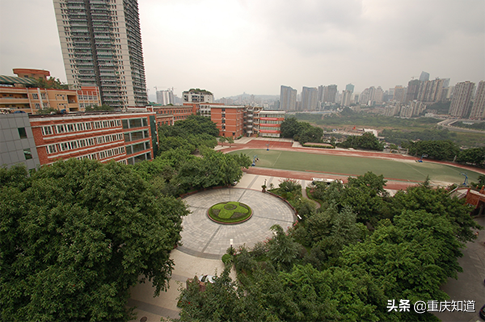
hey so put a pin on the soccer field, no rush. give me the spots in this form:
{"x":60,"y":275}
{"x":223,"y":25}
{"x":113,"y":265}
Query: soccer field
{"x":344,"y":165}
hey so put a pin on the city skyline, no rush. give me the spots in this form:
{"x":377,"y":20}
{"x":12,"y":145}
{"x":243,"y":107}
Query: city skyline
{"x":230,"y":47}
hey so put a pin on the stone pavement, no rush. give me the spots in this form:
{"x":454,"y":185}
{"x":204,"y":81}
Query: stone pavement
{"x":204,"y":242}
{"x":204,"y":238}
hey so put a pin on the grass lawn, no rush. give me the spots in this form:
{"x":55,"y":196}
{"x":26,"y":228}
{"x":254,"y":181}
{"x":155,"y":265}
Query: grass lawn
{"x":331,"y":164}
{"x":229,"y":212}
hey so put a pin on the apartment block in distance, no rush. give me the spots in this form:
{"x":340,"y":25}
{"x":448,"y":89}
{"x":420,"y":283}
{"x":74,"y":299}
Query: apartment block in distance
{"x":23,"y":94}
{"x":462,"y":95}
{"x":478,"y":108}
{"x":101,"y":46}
{"x":197,"y":96}
{"x":287,"y":98}
{"x":123,"y":137}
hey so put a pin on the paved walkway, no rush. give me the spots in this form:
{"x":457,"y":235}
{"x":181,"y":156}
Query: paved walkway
{"x":204,"y":242}
{"x":204,"y":238}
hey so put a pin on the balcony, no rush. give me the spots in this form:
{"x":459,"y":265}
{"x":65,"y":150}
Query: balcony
{"x":14,"y":100}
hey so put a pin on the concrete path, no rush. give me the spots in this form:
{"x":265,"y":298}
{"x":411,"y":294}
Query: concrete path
{"x":204,"y":238}
{"x":204,"y":242}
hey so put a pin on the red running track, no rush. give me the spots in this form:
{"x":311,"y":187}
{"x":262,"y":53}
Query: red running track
{"x":287,"y":146}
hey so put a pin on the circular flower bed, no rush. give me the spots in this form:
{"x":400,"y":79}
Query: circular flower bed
{"x":230,"y":212}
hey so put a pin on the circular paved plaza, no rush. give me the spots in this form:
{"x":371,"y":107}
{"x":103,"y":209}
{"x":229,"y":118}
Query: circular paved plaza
{"x":204,"y":238}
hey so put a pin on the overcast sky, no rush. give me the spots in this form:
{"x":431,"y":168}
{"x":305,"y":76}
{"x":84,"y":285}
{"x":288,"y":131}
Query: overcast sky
{"x":255,"y":46}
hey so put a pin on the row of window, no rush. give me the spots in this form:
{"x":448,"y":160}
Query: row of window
{"x":135,"y":136}
{"x":78,"y":127}
{"x":270,"y":122}
{"x":88,"y":97}
{"x":81,"y":143}
{"x":36,"y":96}
{"x":134,"y":123}
{"x":269,"y":128}
{"x":103,"y":154}
{"x":135,"y":148}
{"x":139,"y":158}
{"x":174,"y":111}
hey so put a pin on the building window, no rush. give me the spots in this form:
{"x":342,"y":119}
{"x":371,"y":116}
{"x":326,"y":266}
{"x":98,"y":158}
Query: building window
{"x":27,"y":154}
{"x":22,"y":133}
{"x":51,"y":149}
{"x":125,"y":124}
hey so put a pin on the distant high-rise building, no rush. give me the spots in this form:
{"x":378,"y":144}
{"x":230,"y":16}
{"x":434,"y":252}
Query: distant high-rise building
{"x":431,"y":91}
{"x":287,"y":98}
{"x":101,"y":46}
{"x":309,"y":98}
{"x":165,"y":97}
{"x":346,"y":98}
{"x":330,"y":93}
{"x":413,"y":90}
{"x":424,"y":76}
{"x":446,"y":82}
{"x":462,"y":95}
{"x":478,"y":109}
{"x":321,"y":92}
{"x":399,"y":93}
{"x":350,"y":88}
{"x":197,"y":96}
{"x":371,"y":95}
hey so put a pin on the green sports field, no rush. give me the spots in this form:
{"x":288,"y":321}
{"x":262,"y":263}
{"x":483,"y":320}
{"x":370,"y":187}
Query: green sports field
{"x":332,"y":164}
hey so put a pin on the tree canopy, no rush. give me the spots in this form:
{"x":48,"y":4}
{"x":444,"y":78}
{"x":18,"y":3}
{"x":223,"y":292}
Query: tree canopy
{"x":330,"y":266}
{"x":75,"y":236}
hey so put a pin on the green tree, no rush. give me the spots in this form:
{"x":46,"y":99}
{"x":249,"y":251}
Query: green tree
{"x":290,"y":127}
{"x":438,"y":150}
{"x":437,"y":202}
{"x":475,"y":156}
{"x":196,"y":124}
{"x":282,"y":250}
{"x":76,"y":236}
{"x":408,"y":260}
{"x":367,"y":142}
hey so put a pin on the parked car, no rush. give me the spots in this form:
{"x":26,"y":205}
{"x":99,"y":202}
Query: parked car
{"x":482,"y":312}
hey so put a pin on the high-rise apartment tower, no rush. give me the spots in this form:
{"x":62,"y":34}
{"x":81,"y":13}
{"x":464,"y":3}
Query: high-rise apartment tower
{"x":309,"y":98}
{"x":101,"y":46}
{"x":478,"y":109}
{"x":330,"y":93}
{"x":424,"y":77}
{"x":462,"y":95}
{"x":287,"y":98}
{"x":165,"y":97}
